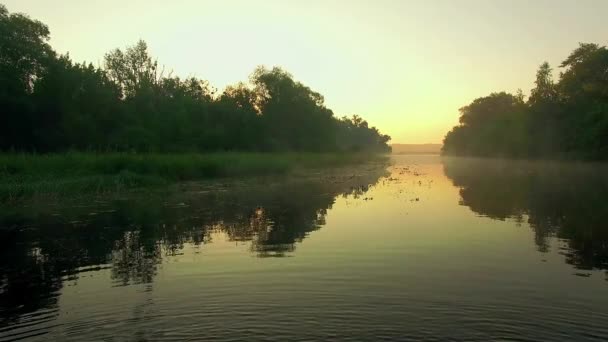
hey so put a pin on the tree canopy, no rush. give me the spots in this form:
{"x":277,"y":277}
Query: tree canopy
{"x":129,"y":103}
{"x":563,"y":119}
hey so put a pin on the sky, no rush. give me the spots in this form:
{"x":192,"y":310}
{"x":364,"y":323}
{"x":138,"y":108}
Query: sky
{"x":404,"y":66}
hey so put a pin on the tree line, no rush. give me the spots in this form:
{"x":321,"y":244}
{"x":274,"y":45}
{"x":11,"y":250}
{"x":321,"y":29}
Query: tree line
{"x":48,"y":103}
{"x":565,"y":119}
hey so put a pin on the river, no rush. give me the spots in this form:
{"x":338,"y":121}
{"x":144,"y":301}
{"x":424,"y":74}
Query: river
{"x":426,"y":248}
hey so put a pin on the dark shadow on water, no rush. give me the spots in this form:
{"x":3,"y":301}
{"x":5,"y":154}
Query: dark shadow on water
{"x":563,"y":200}
{"x":43,"y":247}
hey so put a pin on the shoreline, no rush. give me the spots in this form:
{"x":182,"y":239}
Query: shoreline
{"x":24,"y":176}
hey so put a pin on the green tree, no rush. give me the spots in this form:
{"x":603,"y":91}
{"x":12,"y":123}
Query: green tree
{"x":545,"y":115}
{"x":134,"y":69}
{"x":294,"y":116}
{"x":24,"y":56}
{"x":545,"y":90}
{"x":490,"y":125}
{"x":567,"y":119}
{"x":77,"y":107}
{"x":49,"y":103}
{"x":584,"y":89}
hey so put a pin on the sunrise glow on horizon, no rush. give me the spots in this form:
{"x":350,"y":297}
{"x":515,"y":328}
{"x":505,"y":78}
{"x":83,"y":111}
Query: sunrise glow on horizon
{"x":405,"y":66}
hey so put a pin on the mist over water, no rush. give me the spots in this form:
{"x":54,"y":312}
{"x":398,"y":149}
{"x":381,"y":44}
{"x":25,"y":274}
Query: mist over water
{"x":425,"y":248}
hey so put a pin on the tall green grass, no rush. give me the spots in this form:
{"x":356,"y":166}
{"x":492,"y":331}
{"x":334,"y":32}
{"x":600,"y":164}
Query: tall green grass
{"x":24,"y":175}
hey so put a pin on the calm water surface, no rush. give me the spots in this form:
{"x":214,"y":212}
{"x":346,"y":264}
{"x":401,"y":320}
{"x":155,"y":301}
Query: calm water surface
{"x":423,"y":249}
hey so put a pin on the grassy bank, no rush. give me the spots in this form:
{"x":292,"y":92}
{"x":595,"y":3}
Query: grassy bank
{"x":26,"y":175}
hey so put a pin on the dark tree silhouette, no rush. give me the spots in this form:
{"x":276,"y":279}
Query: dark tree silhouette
{"x":24,"y":57}
{"x":567,"y":119}
{"x":50,"y":103}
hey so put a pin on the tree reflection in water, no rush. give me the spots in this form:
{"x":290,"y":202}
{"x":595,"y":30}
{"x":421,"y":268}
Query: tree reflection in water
{"x":563,"y":200}
{"x":43,"y":247}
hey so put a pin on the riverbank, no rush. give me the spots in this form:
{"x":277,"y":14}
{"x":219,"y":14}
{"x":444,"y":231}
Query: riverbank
{"x":26,"y":175}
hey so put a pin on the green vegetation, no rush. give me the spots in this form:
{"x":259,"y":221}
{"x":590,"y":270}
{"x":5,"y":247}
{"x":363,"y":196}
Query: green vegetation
{"x":68,"y":128}
{"x":50,"y":104}
{"x":26,"y":175}
{"x":567,"y":119}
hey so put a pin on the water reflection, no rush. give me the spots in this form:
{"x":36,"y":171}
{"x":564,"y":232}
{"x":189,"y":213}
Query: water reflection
{"x":397,"y":257}
{"x":563,"y":200}
{"x":42,"y":247}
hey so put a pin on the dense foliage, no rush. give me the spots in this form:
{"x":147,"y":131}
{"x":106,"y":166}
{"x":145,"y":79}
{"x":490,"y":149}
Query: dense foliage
{"x":563,"y":119}
{"x":49,"y":103}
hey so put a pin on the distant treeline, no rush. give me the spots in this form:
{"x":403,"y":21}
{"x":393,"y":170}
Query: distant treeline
{"x":563,"y":119}
{"x":49,"y":103}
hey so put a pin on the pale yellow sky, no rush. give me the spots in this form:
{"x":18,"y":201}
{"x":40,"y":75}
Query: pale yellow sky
{"x":405,"y":66}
